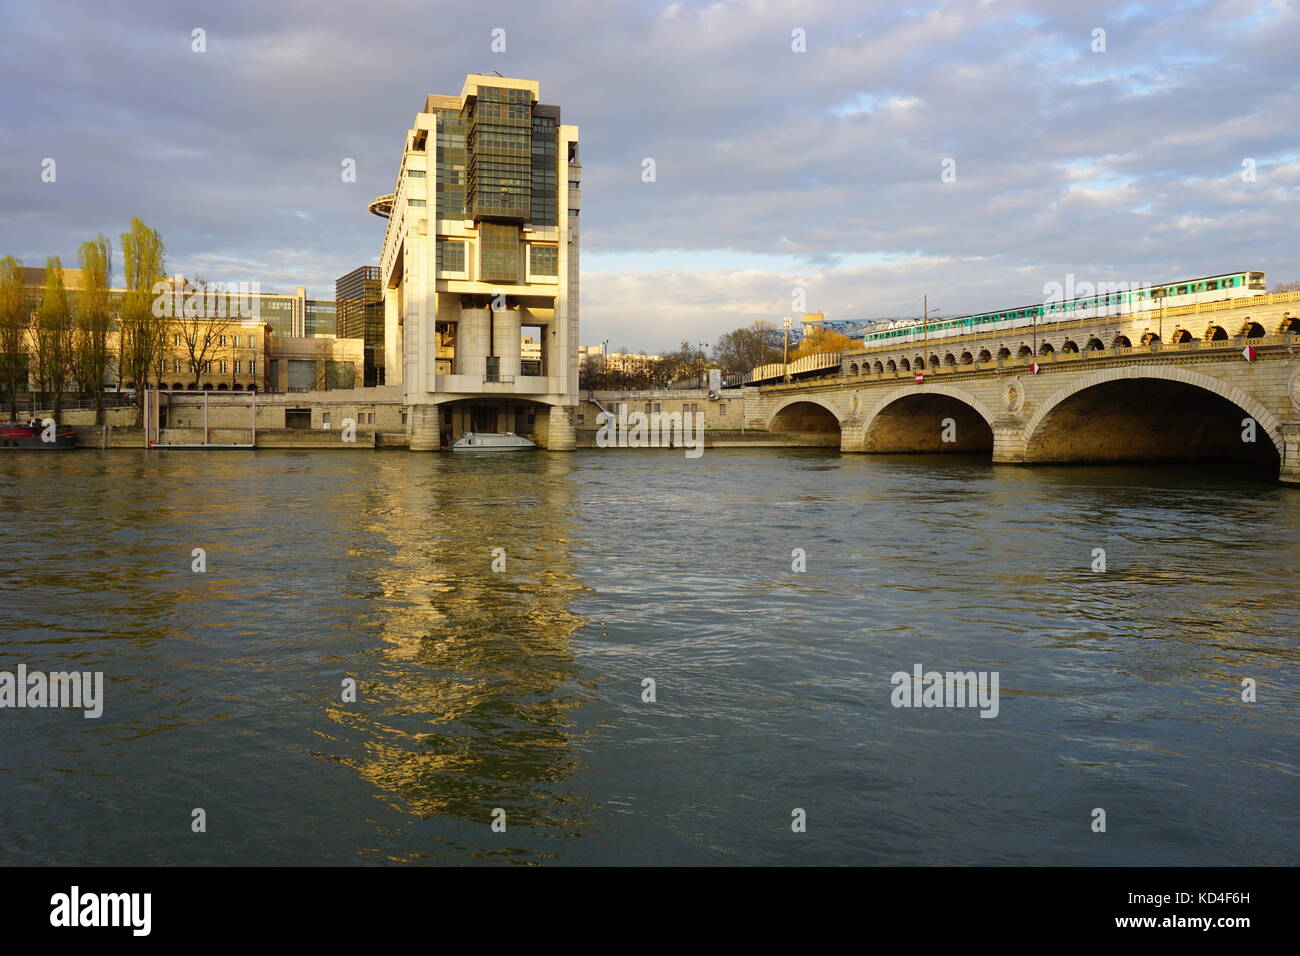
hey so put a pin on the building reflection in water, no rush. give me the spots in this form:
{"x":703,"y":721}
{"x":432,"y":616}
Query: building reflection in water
{"x":468,"y":703}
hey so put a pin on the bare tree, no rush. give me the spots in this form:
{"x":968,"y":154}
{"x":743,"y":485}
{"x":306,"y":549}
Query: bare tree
{"x":144,"y":321}
{"x":201,"y":325}
{"x":93,"y":319}
{"x":742,"y":350}
{"x":1286,"y":286}
{"x":15,"y":319}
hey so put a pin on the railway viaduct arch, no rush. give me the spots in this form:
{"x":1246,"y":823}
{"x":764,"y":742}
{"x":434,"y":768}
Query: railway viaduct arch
{"x":1108,"y":405}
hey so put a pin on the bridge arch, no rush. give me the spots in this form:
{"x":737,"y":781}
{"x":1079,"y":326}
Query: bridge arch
{"x":1125,"y":414}
{"x":807,"y":414}
{"x":913,"y":419}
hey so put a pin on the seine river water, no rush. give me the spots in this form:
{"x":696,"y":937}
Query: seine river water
{"x":521,"y":690}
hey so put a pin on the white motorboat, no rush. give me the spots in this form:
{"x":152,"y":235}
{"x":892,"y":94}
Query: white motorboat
{"x":492,"y":441}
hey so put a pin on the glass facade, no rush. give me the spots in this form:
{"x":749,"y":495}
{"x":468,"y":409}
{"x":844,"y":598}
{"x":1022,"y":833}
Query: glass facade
{"x":322,"y":317}
{"x":360,"y":302}
{"x":545,"y":179}
{"x":498,"y":252}
{"x":451,"y":165}
{"x":451,"y":255}
{"x":499,"y":141}
{"x":544,"y":261}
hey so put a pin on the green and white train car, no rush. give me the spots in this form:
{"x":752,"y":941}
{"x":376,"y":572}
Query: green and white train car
{"x":1231,"y":285}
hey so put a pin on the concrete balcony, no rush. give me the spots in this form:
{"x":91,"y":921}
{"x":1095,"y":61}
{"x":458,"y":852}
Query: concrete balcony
{"x":503,"y":385}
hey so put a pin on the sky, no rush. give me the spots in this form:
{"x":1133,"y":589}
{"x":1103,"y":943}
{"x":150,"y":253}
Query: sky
{"x":845,"y":158}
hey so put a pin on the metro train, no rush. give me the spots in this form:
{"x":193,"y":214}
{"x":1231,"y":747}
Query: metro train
{"x":1231,"y":285}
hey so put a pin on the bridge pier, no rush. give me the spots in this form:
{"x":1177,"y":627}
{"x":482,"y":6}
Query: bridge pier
{"x":852,"y":435}
{"x":1289,"y":473}
{"x":1008,"y":441}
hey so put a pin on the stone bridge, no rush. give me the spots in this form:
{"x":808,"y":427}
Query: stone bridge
{"x":1096,"y":396}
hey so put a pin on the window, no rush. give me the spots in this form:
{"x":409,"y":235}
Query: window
{"x":221,"y":341}
{"x":419,"y":203}
{"x":722,"y":408}
{"x":252,"y":366}
{"x":238,"y":363}
{"x":221,"y":367}
{"x":415,"y":173}
{"x":207,"y":368}
{"x":544,"y":260}
{"x":573,"y":214}
{"x":176,"y":365}
{"x":582,"y":419}
{"x":176,"y":339}
{"x":450,"y":256}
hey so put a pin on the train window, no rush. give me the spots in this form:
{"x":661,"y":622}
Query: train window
{"x":1211,"y":286}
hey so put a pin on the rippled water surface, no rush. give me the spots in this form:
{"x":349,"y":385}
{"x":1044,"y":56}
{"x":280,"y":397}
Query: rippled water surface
{"x":522,"y":690}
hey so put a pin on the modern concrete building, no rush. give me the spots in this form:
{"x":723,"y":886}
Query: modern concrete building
{"x":481,"y":251}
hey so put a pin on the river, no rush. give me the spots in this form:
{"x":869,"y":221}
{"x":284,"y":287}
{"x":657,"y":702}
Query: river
{"x":517,"y":695}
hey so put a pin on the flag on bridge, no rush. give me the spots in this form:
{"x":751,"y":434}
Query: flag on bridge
{"x":1249,"y":353}
{"x":1033,"y":368}
{"x":920,"y":376}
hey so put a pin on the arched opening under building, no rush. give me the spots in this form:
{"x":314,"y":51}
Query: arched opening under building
{"x":1149,"y":337}
{"x":967,"y":358}
{"x":518,"y":416}
{"x":905,"y":365}
{"x":919,"y":363}
{"x":928,"y":423}
{"x":1094,"y":345}
{"x":1025,"y":351}
{"x":986,"y":355}
{"x":1253,"y":330}
{"x":1004,"y":353}
{"x":1046,"y":349}
{"x":1216,"y":333}
{"x":1289,"y":324}
{"x":878,"y":367}
{"x":814,"y":424}
{"x":853,"y":368}
{"x":892,"y":365}
{"x":1070,"y":347}
{"x":1121,"y":342}
{"x":1182,"y":336}
{"x":1149,"y":420}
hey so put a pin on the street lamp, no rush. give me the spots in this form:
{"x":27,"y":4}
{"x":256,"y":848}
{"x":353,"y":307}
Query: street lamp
{"x":786,"y":323}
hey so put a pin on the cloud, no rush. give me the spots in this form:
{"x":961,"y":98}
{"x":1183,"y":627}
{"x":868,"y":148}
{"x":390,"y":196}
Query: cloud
{"x":774,"y":167}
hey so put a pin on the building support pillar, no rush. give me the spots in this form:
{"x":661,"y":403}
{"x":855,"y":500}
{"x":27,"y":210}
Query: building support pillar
{"x":560,"y":434}
{"x":425,"y":434}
